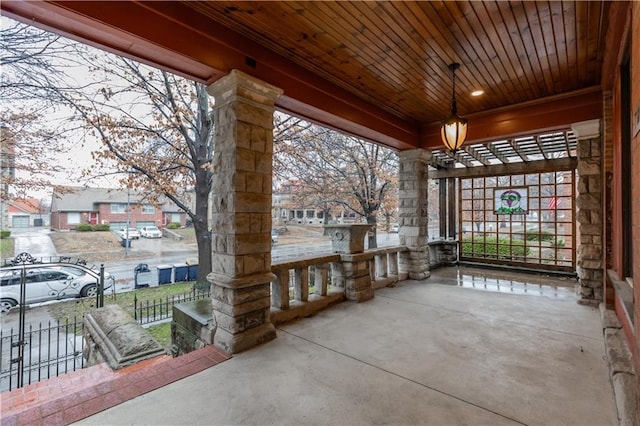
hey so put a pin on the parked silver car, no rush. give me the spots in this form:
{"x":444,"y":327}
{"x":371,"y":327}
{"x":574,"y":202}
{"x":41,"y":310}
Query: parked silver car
{"x":44,"y":283}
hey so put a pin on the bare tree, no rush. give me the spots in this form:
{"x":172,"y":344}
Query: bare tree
{"x":34,"y":68}
{"x":156,"y":129}
{"x":157,"y":132}
{"x":334,"y":169}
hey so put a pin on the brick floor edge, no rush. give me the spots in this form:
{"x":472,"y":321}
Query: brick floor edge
{"x":82,"y":393}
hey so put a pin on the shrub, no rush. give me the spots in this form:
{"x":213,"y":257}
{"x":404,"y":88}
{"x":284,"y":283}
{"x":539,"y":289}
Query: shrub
{"x":540,"y":236}
{"x":102,"y":227}
{"x":173,"y":225}
{"x":5,"y":234}
{"x":493,"y":248}
{"x":84,"y":227}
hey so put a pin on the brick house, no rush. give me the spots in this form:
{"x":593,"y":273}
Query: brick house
{"x":109,"y":206}
{"x":27,"y":212}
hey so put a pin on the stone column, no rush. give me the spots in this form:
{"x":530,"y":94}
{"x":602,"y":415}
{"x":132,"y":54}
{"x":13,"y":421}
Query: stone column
{"x":241,"y":211}
{"x":589,"y":212}
{"x":414,"y":221}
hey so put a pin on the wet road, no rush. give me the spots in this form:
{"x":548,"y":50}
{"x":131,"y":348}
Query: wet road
{"x":36,"y":241}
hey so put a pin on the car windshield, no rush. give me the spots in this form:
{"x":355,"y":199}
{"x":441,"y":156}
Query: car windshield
{"x":151,"y":228}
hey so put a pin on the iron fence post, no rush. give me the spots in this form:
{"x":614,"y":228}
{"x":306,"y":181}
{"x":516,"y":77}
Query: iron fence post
{"x":100,"y":302}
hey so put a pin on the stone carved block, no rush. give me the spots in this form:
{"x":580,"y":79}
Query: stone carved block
{"x":347,"y":238}
{"x":113,"y":336}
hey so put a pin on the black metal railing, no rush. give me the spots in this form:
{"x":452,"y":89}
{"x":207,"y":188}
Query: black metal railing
{"x":50,"y":350}
{"x":156,"y":310}
{"x":32,"y":353}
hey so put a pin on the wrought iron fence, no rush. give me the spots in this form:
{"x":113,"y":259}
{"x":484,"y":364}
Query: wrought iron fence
{"x":156,"y":310}
{"x":50,"y":350}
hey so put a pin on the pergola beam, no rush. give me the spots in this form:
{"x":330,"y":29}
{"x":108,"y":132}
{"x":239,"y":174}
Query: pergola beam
{"x":542,"y":166}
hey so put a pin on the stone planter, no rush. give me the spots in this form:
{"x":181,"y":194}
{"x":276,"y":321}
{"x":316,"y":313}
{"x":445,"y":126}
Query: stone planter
{"x":348,"y":239}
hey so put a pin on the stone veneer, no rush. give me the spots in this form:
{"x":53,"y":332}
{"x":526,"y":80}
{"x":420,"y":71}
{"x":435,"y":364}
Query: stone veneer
{"x":412,"y":212}
{"x":241,"y":211}
{"x":589,"y":212}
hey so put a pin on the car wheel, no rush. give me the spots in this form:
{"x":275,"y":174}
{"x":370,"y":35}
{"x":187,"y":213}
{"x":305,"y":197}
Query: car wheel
{"x":90,"y":290}
{"x":6,"y":304}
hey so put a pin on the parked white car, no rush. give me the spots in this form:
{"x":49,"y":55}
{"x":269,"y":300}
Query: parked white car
{"x":44,"y":283}
{"x":150,"y":232}
{"x":134,"y":234}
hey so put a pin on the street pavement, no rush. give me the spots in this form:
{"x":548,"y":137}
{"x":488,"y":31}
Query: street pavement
{"x":36,"y":241}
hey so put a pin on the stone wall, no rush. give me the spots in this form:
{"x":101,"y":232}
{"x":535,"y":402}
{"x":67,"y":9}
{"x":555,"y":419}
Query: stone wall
{"x":589,"y":213}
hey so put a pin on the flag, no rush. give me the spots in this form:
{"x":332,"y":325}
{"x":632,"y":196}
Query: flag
{"x":554,"y":203}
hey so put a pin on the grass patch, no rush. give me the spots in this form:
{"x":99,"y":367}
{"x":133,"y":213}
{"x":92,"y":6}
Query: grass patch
{"x":78,"y":307}
{"x":6,"y":248}
{"x":162,"y":333}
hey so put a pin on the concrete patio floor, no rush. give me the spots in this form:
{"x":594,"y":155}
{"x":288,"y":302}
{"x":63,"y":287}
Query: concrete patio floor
{"x":435,"y":352}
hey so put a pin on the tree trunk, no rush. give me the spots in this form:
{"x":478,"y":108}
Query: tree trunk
{"x":373,"y":239}
{"x":203,"y":237}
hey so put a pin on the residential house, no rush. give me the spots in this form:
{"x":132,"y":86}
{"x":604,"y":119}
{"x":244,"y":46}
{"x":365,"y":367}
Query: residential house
{"x":26,"y":212}
{"x":286,"y":209}
{"x":115,"y":207}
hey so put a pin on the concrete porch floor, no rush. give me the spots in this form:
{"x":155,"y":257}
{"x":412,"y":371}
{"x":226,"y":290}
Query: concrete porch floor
{"x":424,"y":352}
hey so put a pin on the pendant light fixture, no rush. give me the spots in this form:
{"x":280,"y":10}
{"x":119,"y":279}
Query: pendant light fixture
{"x":454,"y":128}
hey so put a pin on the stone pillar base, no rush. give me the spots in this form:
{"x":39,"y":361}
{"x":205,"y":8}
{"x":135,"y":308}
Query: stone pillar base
{"x":415,"y":262}
{"x":234,"y":343}
{"x":353,"y":275}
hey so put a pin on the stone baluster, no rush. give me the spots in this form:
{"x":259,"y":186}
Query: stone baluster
{"x":393,"y":264}
{"x":381,"y":265}
{"x":321,"y":275}
{"x":280,"y":290}
{"x":301,"y":285}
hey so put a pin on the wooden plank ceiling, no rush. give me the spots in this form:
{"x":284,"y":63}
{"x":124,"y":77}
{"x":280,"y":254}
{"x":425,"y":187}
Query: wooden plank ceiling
{"x":395,"y":54}
{"x":374,"y":69}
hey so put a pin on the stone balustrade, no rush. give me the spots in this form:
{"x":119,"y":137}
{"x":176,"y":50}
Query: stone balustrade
{"x":335,"y":278}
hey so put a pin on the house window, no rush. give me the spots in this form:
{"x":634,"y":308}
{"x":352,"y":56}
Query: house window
{"x":73,"y":218}
{"x":118,"y":208}
{"x":148,"y":209}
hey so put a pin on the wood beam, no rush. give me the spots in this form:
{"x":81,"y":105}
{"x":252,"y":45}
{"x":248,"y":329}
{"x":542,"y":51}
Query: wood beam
{"x":477,"y":155}
{"x":541,"y":166}
{"x":554,"y":113}
{"x":491,"y":147}
{"x":619,"y":24}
